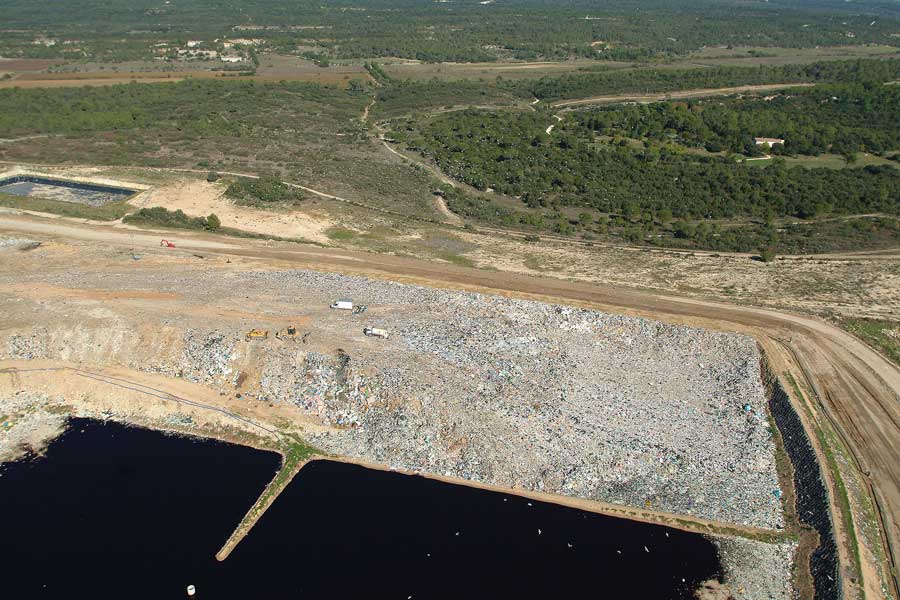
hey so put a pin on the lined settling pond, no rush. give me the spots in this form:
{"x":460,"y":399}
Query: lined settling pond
{"x":61,"y":190}
{"x":115,"y":511}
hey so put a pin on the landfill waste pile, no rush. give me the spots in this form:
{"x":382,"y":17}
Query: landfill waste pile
{"x":513,"y":393}
{"x":207,"y":356}
{"x":540,"y":397}
{"x":14,"y":243}
{"x":756,"y":569}
{"x":26,"y":425}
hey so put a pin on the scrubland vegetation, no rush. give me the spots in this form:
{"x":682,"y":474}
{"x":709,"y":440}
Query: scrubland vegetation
{"x":297,"y":132}
{"x":662,"y":174}
{"x":883,"y":335}
{"x":666,"y":173}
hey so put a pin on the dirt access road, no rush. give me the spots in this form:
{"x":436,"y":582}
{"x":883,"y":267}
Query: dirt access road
{"x":858,"y":389}
{"x":676,"y":95}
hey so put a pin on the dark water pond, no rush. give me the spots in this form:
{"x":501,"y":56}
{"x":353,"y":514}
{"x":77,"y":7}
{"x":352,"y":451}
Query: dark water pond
{"x":129,"y":513}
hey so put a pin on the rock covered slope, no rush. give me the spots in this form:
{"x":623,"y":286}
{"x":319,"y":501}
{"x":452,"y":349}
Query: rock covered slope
{"x":544,"y":397}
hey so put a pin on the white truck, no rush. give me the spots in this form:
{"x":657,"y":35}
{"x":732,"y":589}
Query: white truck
{"x":375,"y":332}
{"x":343,"y":305}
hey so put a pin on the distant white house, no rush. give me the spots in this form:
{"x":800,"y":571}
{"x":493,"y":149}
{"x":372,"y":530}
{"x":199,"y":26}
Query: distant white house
{"x":768,"y":142}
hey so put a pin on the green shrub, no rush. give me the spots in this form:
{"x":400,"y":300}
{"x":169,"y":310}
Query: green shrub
{"x":263,"y":192}
{"x":163,"y":217}
{"x":340,"y":234}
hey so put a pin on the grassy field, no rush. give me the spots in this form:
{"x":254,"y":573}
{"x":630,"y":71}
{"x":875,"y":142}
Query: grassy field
{"x":416,"y":71}
{"x":882,"y":335}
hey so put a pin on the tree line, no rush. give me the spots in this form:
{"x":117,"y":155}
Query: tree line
{"x":617,"y":81}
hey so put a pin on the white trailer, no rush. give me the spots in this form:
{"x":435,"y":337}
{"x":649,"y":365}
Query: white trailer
{"x":343,"y":305}
{"x":375,"y":332}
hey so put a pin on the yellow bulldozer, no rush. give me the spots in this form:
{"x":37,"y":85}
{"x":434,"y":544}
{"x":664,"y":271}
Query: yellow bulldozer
{"x":256,"y":334}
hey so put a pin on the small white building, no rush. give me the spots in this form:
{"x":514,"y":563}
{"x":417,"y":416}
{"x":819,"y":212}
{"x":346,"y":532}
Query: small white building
{"x":768,"y":142}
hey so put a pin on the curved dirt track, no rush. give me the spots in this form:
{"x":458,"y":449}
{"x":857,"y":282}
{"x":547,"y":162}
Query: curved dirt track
{"x":858,"y":388}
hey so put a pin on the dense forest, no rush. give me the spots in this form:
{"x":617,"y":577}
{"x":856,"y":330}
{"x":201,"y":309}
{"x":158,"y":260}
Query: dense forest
{"x":839,"y":118}
{"x":463,"y":30}
{"x":511,"y":153}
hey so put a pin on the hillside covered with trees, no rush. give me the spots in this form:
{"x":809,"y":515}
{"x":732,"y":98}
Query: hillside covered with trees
{"x":512,"y":154}
{"x":840,"y":118}
{"x":661,"y":173}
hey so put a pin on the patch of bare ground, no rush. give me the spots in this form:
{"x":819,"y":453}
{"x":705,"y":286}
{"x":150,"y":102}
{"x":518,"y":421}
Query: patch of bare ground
{"x":854,"y":286}
{"x":21,"y":65}
{"x":441,"y":207}
{"x":200,"y":198}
